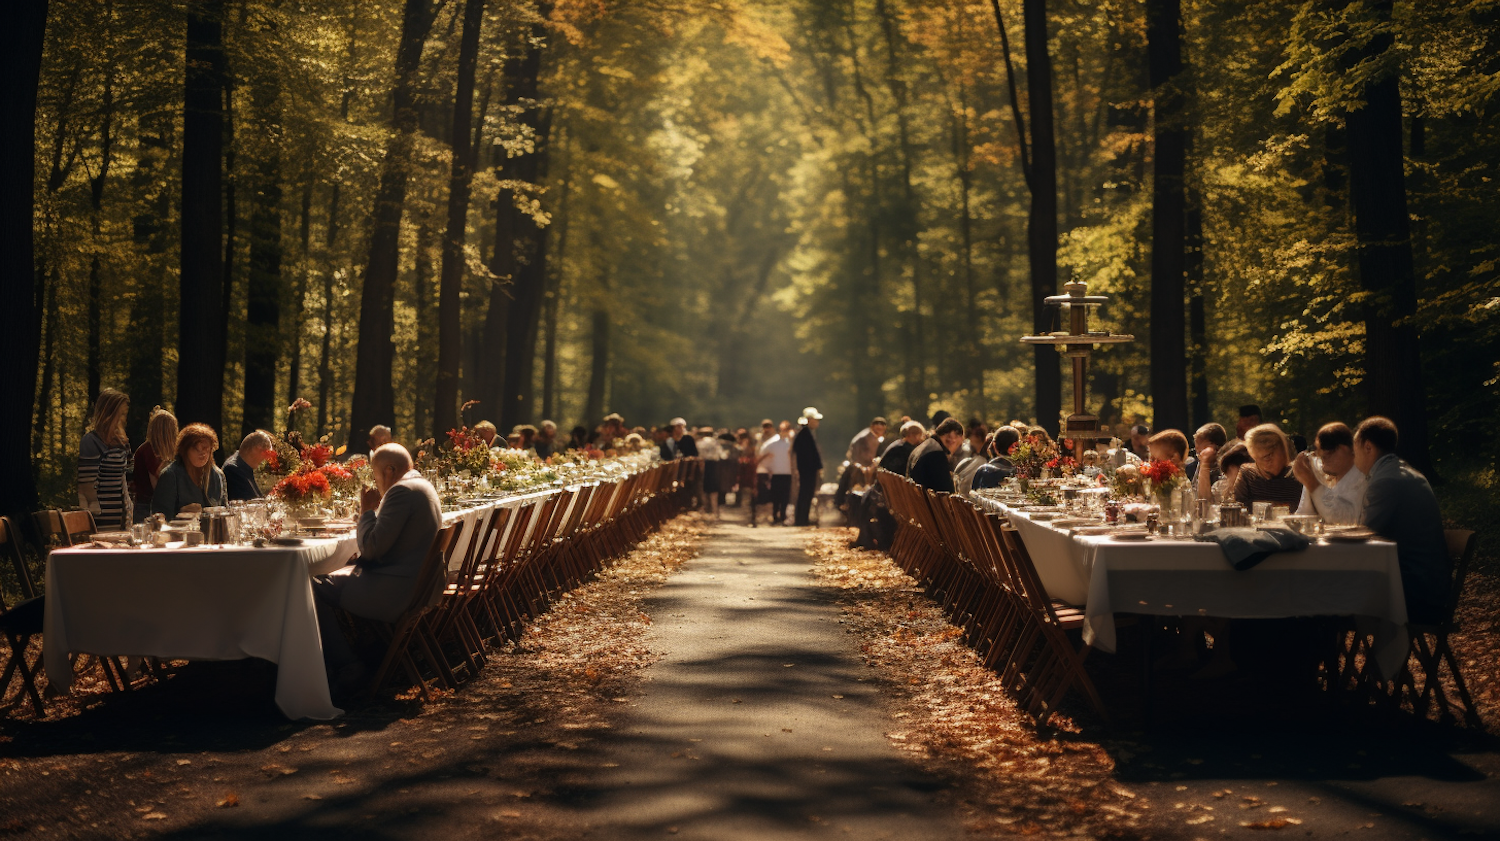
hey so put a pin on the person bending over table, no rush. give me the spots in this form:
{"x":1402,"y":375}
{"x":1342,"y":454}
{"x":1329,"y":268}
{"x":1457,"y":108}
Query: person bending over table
{"x":239,"y":468}
{"x":928,"y":463}
{"x":1270,"y":479}
{"x":1169,"y":445}
{"x":191,"y":482}
{"x":1400,"y":507}
{"x":399,"y":518}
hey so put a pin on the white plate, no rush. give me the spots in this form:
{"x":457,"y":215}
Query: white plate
{"x":1132,"y":535}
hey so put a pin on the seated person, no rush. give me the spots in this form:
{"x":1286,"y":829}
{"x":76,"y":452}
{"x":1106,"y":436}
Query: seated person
{"x":380,"y":435}
{"x":486,"y":432}
{"x":1168,"y":445}
{"x":1233,"y":457}
{"x":239,"y":468}
{"x":999,"y":468}
{"x":399,"y":518}
{"x":1208,"y":442}
{"x":1270,"y":478}
{"x":191,"y":482}
{"x":928,"y":463}
{"x":1400,"y":507}
{"x":896,"y":455}
{"x":1332,"y":487}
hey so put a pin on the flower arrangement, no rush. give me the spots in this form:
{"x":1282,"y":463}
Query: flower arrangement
{"x":1066,"y":465}
{"x":1126,"y":481}
{"x":342,"y":480}
{"x":1030,"y":455}
{"x":1161,"y":478}
{"x":303,"y":489}
{"x":465,"y":451}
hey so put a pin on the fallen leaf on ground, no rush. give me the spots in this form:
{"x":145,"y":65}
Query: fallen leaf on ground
{"x":154,"y":816}
{"x":229,"y":802}
{"x":1274,"y":823}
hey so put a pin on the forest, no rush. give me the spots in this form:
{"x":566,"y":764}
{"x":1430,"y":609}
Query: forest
{"x":725,"y":210}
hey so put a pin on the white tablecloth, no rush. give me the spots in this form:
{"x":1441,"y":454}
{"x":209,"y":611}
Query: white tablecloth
{"x":202,"y":603}
{"x":1187,"y":578}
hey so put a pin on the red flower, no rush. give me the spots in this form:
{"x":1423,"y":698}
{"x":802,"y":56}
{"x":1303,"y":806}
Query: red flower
{"x":1013,"y":447}
{"x":318,"y":454}
{"x":273,"y":462}
{"x":1159,"y":471}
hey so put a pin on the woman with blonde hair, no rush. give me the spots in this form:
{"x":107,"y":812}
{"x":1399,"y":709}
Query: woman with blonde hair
{"x":1270,"y":478}
{"x":192,"y":482}
{"x":153,"y":454}
{"x":104,"y":463}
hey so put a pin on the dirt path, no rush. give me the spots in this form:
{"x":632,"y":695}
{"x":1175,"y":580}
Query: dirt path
{"x":761,"y":721}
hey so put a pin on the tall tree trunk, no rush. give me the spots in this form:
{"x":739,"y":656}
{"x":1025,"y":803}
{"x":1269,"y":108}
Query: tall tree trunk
{"x":966,"y":231}
{"x":520,"y":251}
{"x":1168,"y":217}
{"x":96,"y":223}
{"x":593,"y":408}
{"x":549,"y":309}
{"x":1197,"y":311}
{"x":1041,"y":226}
{"x":299,"y":295}
{"x":1394,"y":384}
{"x":460,"y":177}
{"x":374,"y":392}
{"x":153,"y":236}
{"x":21,"y":317}
{"x":265,"y":286}
{"x":916,"y":385}
{"x":200,"y":354}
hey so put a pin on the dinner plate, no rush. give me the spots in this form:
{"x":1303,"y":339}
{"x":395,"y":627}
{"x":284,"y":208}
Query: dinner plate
{"x":286,"y":541}
{"x":1132,"y":535}
{"x":1043,"y":516}
{"x":1095,"y":531}
{"x":1351,"y":536}
{"x":1074,"y":522}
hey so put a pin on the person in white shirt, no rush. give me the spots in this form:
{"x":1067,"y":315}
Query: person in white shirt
{"x":708,"y":450}
{"x":776,"y":456}
{"x":1332,"y":486}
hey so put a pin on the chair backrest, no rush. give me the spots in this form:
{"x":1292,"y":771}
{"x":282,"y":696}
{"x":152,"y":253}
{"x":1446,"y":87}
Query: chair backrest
{"x":64,"y":528}
{"x":1462,"y":544}
{"x":434,"y":573}
{"x":10,"y":545}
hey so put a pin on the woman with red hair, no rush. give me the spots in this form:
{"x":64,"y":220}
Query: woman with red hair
{"x":192,"y":482}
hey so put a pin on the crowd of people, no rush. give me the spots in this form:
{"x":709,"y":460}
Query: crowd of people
{"x":1344,"y":476}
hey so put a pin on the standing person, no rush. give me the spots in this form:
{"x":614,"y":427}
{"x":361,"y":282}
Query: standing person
{"x":191,"y":482}
{"x":153,"y":455}
{"x":104,"y":463}
{"x":809,"y":463}
{"x":708,"y":450}
{"x":729,"y":454}
{"x":748,"y":474}
{"x":865,"y":444}
{"x":928,"y":464}
{"x":239,"y":468}
{"x":776,"y":455}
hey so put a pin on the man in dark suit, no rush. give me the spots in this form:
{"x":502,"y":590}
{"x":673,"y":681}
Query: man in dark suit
{"x":896,"y":455}
{"x":809,"y":464}
{"x":399,"y":519}
{"x":928,"y":463}
{"x":1400,"y":507}
{"x":239,"y":468}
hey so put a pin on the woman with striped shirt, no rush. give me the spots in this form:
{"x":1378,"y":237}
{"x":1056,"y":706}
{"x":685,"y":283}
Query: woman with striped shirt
{"x":104,"y":463}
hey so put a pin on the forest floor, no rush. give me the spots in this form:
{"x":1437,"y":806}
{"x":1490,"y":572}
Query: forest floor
{"x":721,"y":682}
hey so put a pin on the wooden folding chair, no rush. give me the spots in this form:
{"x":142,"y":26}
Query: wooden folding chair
{"x":64,"y":528}
{"x":1430,"y":650}
{"x":1056,"y":665}
{"x":20,"y":620}
{"x":407,"y":631}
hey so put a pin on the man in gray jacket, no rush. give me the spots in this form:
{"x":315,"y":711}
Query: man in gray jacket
{"x":399,"y":519}
{"x":1400,"y":506}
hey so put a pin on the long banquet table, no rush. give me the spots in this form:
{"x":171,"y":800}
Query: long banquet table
{"x":211,"y":603}
{"x":1183,"y":577}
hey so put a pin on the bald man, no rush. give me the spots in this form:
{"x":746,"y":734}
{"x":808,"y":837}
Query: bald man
{"x":398,"y":520}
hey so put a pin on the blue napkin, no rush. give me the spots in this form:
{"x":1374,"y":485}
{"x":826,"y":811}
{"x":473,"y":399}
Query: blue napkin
{"x":1243,"y":548}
